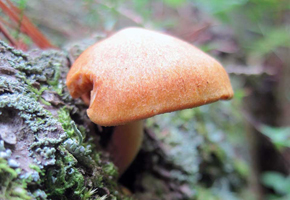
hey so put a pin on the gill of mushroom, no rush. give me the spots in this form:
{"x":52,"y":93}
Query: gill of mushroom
{"x":138,"y":73}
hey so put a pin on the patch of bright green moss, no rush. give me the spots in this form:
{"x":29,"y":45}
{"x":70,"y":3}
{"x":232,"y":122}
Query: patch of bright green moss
{"x":10,"y":187}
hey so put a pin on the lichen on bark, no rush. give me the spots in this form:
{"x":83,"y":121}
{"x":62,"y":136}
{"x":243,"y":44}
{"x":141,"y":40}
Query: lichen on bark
{"x":44,"y":153}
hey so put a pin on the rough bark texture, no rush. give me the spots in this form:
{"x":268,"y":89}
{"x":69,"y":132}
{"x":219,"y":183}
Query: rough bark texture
{"x":45,"y":149}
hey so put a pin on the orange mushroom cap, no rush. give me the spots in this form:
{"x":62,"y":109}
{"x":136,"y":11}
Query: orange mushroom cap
{"x":138,"y":73}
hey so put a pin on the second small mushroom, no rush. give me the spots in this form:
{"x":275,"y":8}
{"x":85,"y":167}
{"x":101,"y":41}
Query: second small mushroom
{"x":136,"y":74}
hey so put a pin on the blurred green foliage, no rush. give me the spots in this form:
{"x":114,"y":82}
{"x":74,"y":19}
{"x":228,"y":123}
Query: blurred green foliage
{"x":256,"y":23}
{"x":279,"y":183}
{"x":273,"y":39}
{"x":279,"y":136}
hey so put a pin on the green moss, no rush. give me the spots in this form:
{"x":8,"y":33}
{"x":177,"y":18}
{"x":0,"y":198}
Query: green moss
{"x":36,"y":168}
{"x":54,"y":82}
{"x":10,"y":188}
{"x":82,"y":151}
{"x":64,"y":176}
{"x":65,"y":120}
{"x":110,"y":170}
{"x":77,"y":132}
{"x":88,"y":194}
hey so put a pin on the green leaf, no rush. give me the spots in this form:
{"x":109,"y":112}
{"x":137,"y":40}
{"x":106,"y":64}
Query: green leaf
{"x":280,"y":136}
{"x":277,"y":181}
{"x":272,"y":40}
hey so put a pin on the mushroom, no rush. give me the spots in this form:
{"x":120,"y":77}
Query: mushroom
{"x":138,"y":73}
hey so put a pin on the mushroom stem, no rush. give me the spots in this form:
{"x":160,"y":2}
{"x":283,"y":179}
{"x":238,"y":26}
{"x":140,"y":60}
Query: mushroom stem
{"x":125,"y":144}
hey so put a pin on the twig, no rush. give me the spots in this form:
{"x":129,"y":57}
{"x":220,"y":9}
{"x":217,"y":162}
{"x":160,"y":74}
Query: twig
{"x":7,"y":36}
{"x":250,"y":70}
{"x":25,"y":25}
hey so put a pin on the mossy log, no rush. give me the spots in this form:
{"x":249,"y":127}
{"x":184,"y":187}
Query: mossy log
{"x":45,"y":149}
